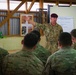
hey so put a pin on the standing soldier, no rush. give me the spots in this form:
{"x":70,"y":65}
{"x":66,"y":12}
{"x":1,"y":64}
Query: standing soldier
{"x":73,"y":34}
{"x":51,"y":31}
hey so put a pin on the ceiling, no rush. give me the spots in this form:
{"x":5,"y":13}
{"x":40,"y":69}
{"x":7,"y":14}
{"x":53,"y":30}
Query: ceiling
{"x":54,"y":1}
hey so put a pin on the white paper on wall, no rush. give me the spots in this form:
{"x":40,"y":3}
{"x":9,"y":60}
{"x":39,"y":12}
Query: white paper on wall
{"x":26,"y":28}
{"x":66,"y":23}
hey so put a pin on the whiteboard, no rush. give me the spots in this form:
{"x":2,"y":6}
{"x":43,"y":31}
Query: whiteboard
{"x":66,"y":23}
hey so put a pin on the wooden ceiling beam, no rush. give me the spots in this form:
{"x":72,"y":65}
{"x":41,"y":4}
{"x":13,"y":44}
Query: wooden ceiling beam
{"x":57,"y":2}
{"x":8,"y":22}
{"x":70,"y":2}
{"x":41,"y":3}
{"x":11,"y":14}
{"x":26,"y":7}
{"x":30,"y":6}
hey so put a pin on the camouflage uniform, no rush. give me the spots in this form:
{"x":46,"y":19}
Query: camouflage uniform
{"x":22,"y":63}
{"x":41,"y":53}
{"x":62,"y":62}
{"x":74,"y":45}
{"x":51,"y":33}
{"x":3,"y":53}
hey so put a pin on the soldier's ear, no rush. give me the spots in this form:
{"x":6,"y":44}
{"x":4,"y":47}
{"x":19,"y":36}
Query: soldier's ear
{"x":34,"y":47}
{"x":22,"y":42}
{"x":59,"y":44}
{"x":39,"y":39}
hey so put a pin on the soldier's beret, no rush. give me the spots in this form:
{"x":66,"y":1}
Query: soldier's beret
{"x":54,"y":15}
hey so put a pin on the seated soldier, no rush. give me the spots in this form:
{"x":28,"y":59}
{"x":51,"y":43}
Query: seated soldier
{"x":62,"y":62}
{"x":40,"y":51}
{"x":3,"y":53}
{"x":73,"y":33}
{"x":24,"y":62}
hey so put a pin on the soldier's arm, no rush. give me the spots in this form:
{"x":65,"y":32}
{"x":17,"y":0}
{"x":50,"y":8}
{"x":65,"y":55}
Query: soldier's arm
{"x":3,"y":53}
{"x":37,"y":25}
{"x":61,"y":30}
{"x":48,"y":69}
{"x":4,"y":65}
{"x":40,"y":26}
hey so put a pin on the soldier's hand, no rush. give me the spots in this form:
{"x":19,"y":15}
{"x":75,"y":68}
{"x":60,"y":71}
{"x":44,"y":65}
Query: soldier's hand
{"x":31,"y":22}
{"x":27,"y":18}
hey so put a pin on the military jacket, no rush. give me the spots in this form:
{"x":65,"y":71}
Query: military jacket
{"x":22,"y":63}
{"x":62,"y":62}
{"x":74,"y":46}
{"x":51,"y":33}
{"x":3,"y":53}
{"x":41,"y":53}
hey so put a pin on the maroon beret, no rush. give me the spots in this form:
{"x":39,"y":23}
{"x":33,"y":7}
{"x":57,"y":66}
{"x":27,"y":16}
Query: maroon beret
{"x":54,"y":15}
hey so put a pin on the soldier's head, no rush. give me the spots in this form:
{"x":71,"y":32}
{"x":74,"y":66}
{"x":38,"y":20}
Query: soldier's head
{"x":73,"y":34}
{"x":37,"y":33}
{"x":54,"y":17}
{"x":65,"y":39}
{"x":30,"y":40}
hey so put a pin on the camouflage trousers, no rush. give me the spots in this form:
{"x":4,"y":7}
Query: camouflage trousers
{"x":52,"y":46}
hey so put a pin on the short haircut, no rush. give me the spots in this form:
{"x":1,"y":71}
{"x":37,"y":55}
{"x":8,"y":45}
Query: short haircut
{"x":30,"y":40}
{"x":54,"y":15}
{"x":37,"y":33}
{"x":73,"y":33}
{"x":65,"y":39}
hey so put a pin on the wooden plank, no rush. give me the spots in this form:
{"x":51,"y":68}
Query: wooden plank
{"x":57,"y":2}
{"x":54,"y":1}
{"x":31,"y":6}
{"x":26,"y":7}
{"x":8,"y":22}
{"x":10,"y":15}
{"x":41,"y":3}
